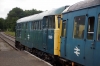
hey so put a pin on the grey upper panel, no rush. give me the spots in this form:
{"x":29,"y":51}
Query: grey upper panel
{"x":82,"y":4}
{"x":25,"y":19}
{"x":41,"y":15}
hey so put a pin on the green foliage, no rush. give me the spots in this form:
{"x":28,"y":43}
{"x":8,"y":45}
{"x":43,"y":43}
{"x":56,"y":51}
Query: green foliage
{"x":10,"y":33}
{"x":2,"y":25}
{"x":31,"y":12}
{"x":15,"y":14}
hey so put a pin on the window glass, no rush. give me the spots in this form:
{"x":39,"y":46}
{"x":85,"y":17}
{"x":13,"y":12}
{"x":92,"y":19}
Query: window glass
{"x":53,"y":21}
{"x":35,"y":25}
{"x":40,"y":25}
{"x":26,"y":26}
{"x":32,"y":24}
{"x":50,"y":21}
{"x":59,"y":19}
{"x":90,"y":30}
{"x":22,"y":26}
{"x":46,"y":22}
{"x":63,"y":29}
{"x":79,"y":26}
{"x":19,"y":26}
{"x":98,"y":32}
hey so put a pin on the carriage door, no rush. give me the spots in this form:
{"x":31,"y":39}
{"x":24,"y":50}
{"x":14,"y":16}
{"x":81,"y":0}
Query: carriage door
{"x":78,"y":39}
{"x":97,"y":43}
{"x":63,"y":39}
{"x":45,"y":33}
{"x":90,"y":37}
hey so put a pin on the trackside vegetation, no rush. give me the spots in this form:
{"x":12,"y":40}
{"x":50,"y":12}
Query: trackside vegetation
{"x":8,"y":24}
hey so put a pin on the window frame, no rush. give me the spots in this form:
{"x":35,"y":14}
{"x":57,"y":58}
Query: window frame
{"x":98,"y":27}
{"x":78,"y":25}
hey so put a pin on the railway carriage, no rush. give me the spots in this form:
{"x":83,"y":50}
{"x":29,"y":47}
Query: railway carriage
{"x":40,"y":32}
{"x":80,"y":39}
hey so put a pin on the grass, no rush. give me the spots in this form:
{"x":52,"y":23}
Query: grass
{"x":10,"y":33}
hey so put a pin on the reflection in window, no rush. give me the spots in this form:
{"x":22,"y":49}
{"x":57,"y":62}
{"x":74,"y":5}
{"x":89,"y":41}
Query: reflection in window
{"x":90,"y":28}
{"x":98,"y":33}
{"x":79,"y":26}
{"x":63,"y":29}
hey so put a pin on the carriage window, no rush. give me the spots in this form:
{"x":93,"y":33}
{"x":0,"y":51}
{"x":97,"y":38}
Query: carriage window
{"x":32,"y":25}
{"x":98,"y":32}
{"x":19,"y":26}
{"x":59,"y":19}
{"x":79,"y":26}
{"x":90,"y":30}
{"x":47,"y":22}
{"x":53,"y":21}
{"x":50,"y":22}
{"x":36,"y":25}
{"x":26,"y":26}
{"x":63,"y":29}
{"x":22,"y":25}
{"x":40,"y":25}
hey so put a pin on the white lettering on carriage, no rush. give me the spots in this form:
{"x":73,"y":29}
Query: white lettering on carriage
{"x":50,"y":37}
{"x":28,"y":36}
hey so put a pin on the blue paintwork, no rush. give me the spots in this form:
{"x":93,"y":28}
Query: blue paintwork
{"x":88,"y":56}
{"x":63,"y":49}
{"x":48,"y":44}
{"x":97,"y":45}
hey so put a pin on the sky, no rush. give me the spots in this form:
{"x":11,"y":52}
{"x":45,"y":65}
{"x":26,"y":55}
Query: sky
{"x":7,"y":5}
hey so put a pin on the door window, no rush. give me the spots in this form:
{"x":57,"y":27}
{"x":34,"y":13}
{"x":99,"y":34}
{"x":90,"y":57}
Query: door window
{"x":63,"y":29}
{"x":79,"y":26}
{"x":51,"y":21}
{"x":59,"y":19}
{"x":98,"y":31}
{"x":47,"y":22}
{"x":90,"y":29}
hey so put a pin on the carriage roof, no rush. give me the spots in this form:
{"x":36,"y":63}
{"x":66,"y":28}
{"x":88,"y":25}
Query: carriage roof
{"x":41,"y":15}
{"x":82,"y":5}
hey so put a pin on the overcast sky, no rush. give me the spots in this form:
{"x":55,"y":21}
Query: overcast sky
{"x":7,"y":5}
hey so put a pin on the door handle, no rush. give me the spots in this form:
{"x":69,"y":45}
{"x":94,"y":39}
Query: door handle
{"x":92,"y":46}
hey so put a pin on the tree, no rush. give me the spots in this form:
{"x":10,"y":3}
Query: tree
{"x":13,"y":16}
{"x":31,"y":12}
{"x":17,"y":13}
{"x":2,"y":26}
